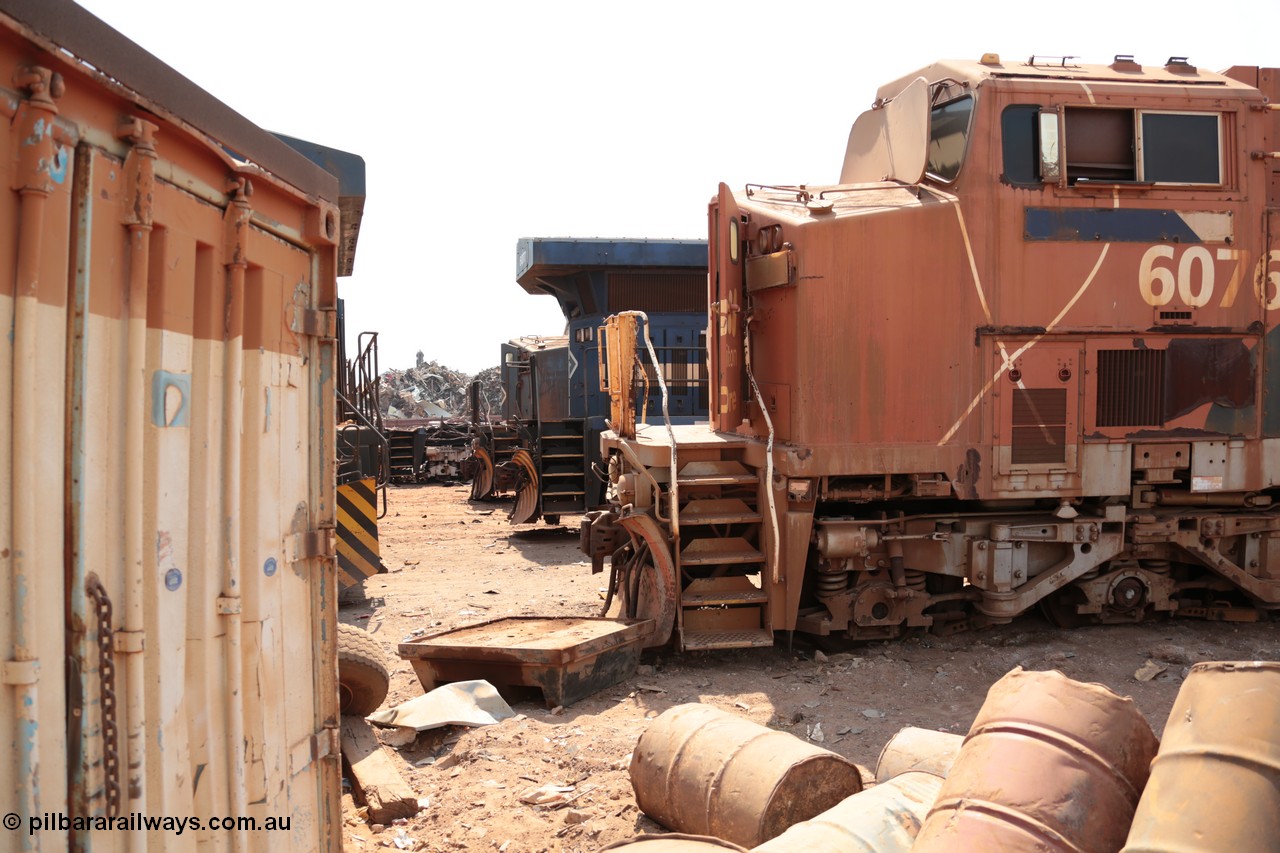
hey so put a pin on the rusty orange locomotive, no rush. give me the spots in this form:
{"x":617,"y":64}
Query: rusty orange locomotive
{"x":1023,"y":354}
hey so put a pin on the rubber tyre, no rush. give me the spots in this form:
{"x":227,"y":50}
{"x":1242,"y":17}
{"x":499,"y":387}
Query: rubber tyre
{"x":363,"y":679}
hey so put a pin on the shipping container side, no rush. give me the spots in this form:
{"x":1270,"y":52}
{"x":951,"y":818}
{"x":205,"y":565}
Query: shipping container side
{"x":167,"y":620}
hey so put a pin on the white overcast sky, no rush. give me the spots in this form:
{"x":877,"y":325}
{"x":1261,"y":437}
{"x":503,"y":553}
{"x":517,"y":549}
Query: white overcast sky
{"x":484,"y":122}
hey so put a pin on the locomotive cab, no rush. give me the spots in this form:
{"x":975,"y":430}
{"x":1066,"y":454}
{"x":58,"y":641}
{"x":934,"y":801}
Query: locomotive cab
{"x":1016,"y":357}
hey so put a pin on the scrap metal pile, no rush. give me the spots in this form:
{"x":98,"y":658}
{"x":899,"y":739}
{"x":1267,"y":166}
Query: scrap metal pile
{"x":432,"y":390}
{"x":426,"y":410}
{"x":1049,"y":764}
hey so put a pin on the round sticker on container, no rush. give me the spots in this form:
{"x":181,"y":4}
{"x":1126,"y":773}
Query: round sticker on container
{"x":172,"y":579}
{"x":269,"y":567}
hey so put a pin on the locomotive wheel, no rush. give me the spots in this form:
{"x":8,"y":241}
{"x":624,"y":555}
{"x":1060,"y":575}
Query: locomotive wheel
{"x":642,"y":591}
{"x":482,"y":482}
{"x":363,"y":679}
{"x":1060,"y":608}
{"x":525,"y":509}
{"x":646,"y":580}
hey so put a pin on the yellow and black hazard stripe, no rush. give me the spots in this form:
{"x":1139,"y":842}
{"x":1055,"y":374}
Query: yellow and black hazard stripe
{"x":358,"y":556}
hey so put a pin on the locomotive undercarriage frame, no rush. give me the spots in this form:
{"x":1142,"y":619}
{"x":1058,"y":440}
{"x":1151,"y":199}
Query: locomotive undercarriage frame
{"x":874,"y":578}
{"x":874,"y":570}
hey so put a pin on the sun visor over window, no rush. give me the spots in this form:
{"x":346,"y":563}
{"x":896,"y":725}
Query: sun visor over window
{"x":890,"y":143}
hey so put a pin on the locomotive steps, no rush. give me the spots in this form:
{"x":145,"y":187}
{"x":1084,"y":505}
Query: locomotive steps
{"x":723,"y":603}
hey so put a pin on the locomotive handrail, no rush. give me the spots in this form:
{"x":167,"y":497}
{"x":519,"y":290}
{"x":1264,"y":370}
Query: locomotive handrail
{"x":644,"y":471}
{"x":802,"y":193}
{"x":768,"y":453}
{"x":666,"y":419}
{"x":601,"y":375}
{"x":382,"y":475}
{"x":855,"y":188}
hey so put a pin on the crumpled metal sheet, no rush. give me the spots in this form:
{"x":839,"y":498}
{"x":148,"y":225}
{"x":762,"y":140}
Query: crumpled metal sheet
{"x":463,"y":703}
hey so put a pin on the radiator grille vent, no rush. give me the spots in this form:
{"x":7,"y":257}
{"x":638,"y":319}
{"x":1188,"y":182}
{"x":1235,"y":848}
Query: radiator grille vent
{"x":656,"y":292}
{"x":1039,"y":426}
{"x":1130,"y":387}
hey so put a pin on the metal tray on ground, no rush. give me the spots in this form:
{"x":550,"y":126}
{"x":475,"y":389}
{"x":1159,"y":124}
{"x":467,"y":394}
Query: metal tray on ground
{"x":567,"y":657}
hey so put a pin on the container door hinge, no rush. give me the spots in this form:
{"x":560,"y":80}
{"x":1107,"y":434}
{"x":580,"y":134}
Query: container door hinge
{"x":325,"y":743}
{"x":20,"y":671}
{"x":127,"y":642}
{"x":316,"y":322}
{"x":312,"y":544}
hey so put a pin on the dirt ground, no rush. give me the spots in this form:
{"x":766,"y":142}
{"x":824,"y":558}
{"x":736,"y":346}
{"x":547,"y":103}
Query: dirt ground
{"x":454,"y":563}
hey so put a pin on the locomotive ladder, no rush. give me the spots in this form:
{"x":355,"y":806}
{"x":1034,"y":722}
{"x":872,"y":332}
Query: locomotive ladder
{"x":403,"y":457}
{"x":505,"y":444}
{"x":723,"y":602}
{"x":562,"y":466}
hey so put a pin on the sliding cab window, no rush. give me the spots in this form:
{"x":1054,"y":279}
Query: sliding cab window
{"x":1141,"y":146}
{"x":1180,"y":148}
{"x":948,"y":137}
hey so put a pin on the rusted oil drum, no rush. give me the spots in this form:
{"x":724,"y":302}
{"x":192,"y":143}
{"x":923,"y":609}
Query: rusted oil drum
{"x":673,"y":843}
{"x":1050,"y":764}
{"x":883,"y":819}
{"x":697,"y":769}
{"x":918,"y":749}
{"x":1215,"y":783}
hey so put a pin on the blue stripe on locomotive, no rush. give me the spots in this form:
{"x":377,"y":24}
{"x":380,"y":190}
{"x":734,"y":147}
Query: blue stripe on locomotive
{"x":1123,"y":225}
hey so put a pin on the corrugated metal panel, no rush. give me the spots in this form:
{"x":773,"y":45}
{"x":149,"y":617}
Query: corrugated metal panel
{"x":168,"y":479}
{"x":657,"y":292}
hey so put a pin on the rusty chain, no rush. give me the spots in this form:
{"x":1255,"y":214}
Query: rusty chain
{"x":107,"y":675}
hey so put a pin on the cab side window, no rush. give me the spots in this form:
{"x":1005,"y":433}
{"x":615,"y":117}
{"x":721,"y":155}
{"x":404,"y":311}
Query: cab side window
{"x":1142,"y":146}
{"x":1099,"y":145}
{"x":1181,"y":148}
{"x":1020,"y":143}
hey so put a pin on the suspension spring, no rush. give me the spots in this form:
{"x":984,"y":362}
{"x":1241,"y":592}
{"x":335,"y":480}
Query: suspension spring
{"x":1157,"y":567}
{"x":915,"y":580}
{"x":832,"y":583}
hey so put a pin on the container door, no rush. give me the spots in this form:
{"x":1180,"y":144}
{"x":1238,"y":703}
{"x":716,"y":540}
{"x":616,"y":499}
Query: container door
{"x":199,"y":565}
{"x":167,"y":577}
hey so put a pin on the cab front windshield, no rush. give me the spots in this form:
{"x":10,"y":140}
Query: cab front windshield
{"x":948,"y":134}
